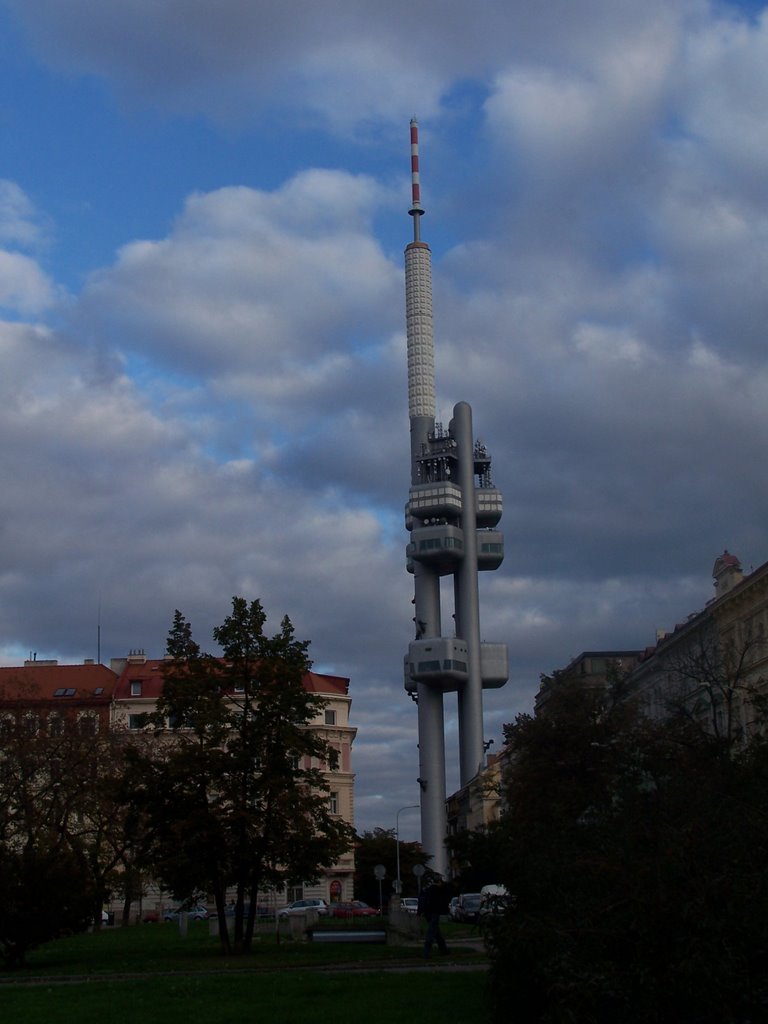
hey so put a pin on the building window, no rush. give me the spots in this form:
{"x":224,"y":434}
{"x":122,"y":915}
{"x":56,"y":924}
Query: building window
{"x":55,"y":725}
{"x":333,"y":803}
{"x":87,"y":724}
{"x":135,"y":687}
{"x":137,"y":721}
{"x":293,"y":893}
{"x":31,"y":725}
{"x":330,"y":718}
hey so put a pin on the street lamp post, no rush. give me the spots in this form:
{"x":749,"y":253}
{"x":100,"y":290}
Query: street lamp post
{"x":410,"y":807}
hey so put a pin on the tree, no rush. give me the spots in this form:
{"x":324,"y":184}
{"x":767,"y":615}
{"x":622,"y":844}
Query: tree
{"x":478,"y":855}
{"x":230,"y":796}
{"x":380,"y":847}
{"x":51,"y":877}
{"x":44,"y":893}
{"x":636,"y":850}
{"x":716,"y":681}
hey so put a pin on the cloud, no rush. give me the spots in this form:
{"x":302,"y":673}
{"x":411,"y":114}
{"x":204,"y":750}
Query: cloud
{"x":271,"y":284}
{"x":222,"y":408}
{"x":21,"y":223}
{"x":24,"y":288}
{"x":350,"y":61}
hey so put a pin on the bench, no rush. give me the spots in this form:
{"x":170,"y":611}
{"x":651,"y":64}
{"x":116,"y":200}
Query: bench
{"x":344,"y":935}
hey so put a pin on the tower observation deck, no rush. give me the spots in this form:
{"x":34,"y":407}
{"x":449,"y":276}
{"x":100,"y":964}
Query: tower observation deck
{"x":452,"y":515}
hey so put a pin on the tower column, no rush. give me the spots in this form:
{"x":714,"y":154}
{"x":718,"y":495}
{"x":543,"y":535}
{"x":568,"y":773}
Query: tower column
{"x":434,"y":823}
{"x":467,"y":602}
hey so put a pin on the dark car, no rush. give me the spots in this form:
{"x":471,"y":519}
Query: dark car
{"x":468,"y":909}
{"x":354,"y":909}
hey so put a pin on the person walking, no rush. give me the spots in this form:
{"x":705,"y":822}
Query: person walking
{"x":433,"y":902}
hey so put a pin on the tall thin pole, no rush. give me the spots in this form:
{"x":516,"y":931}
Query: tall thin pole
{"x":410,"y":807}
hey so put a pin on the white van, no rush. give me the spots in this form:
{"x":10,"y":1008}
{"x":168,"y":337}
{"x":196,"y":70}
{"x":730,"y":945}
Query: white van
{"x":494,"y":899}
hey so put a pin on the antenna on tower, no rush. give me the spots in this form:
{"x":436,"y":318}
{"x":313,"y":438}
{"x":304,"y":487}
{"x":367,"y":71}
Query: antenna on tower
{"x":416,"y":210}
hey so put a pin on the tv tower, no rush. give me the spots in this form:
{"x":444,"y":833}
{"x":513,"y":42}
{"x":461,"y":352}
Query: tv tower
{"x":452,"y":513}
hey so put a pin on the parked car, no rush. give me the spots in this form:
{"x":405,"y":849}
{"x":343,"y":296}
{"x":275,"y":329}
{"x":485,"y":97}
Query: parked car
{"x":410,"y":905}
{"x":354,"y":909}
{"x":468,"y":909}
{"x":302,"y":906}
{"x":196,"y":913}
{"x":453,"y":907}
{"x":262,"y":910}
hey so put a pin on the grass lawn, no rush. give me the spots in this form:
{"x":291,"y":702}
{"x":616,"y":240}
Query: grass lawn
{"x":149,"y":973}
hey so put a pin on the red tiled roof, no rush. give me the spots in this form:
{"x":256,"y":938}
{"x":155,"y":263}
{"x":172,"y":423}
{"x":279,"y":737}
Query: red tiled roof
{"x":318,"y":682}
{"x":41,"y":682}
{"x":150,"y":675}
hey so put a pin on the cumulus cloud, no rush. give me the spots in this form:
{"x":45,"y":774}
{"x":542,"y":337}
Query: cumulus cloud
{"x":350,"y":61}
{"x":222,"y":407}
{"x":21,"y":224}
{"x":24,"y":287}
{"x":276,"y":283}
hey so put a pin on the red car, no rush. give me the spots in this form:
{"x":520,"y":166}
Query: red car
{"x":354,"y":909}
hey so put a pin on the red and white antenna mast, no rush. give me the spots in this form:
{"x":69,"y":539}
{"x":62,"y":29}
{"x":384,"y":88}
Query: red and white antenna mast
{"x":416,"y":210}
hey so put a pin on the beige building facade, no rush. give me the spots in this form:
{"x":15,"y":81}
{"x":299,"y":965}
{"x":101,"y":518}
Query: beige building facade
{"x":712,"y":667}
{"x":138,"y":688}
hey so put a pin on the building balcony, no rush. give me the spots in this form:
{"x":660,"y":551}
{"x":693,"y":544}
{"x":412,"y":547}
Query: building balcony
{"x":440,"y":546}
{"x":441,"y":662}
{"x":490,"y":549}
{"x":437,"y":499}
{"x":494,"y":665}
{"x":489,"y":505}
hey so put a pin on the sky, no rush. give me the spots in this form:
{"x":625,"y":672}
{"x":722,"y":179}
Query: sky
{"x":203,"y":391}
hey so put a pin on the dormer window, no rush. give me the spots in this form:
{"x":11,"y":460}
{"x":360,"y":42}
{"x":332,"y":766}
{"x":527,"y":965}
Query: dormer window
{"x":135,"y":687}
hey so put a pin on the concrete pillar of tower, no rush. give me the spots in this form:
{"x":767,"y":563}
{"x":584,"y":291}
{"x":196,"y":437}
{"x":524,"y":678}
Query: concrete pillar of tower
{"x":434,"y":822}
{"x":467,"y":603}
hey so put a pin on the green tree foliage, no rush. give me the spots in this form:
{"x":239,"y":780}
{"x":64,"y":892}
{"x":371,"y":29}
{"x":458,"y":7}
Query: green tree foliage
{"x":478,"y":856}
{"x":44,"y":893}
{"x":379,"y":847}
{"x":637,"y":853}
{"x":230,"y":798}
{"x":61,"y":834}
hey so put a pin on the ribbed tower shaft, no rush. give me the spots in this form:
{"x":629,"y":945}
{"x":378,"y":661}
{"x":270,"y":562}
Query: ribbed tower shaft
{"x":421,"y":346}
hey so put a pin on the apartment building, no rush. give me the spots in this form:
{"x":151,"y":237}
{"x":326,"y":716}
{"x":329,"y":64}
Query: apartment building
{"x":139,"y":685}
{"x":712,"y":666}
{"x":44,"y":695}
